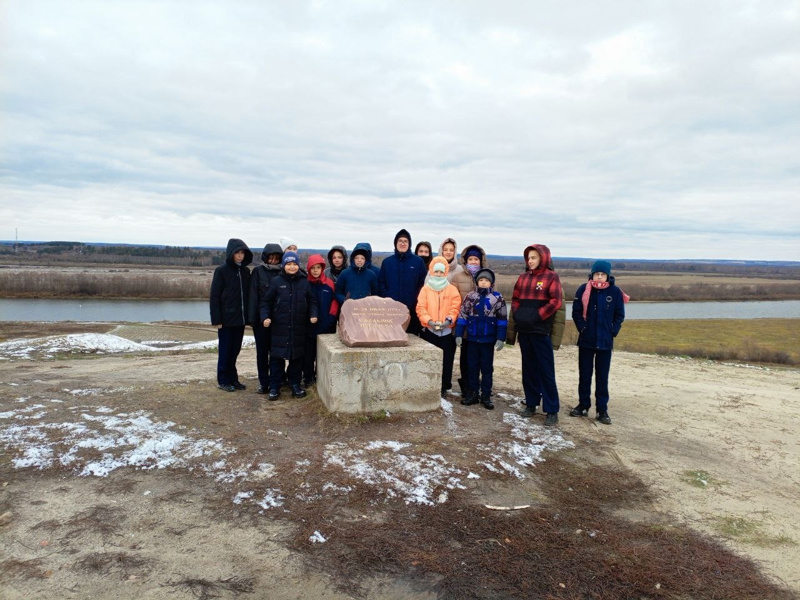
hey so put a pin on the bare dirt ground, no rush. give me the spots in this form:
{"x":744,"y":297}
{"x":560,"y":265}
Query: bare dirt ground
{"x":186,"y":491}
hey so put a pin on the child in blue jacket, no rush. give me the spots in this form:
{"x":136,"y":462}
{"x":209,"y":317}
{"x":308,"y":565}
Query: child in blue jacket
{"x":484,"y":319}
{"x":598,"y":311}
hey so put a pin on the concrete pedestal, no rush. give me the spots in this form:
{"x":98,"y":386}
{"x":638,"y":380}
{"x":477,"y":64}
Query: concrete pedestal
{"x":366,"y":380}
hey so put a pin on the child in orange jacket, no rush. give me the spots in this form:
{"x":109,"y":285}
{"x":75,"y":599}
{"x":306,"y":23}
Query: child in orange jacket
{"x":438,"y":304}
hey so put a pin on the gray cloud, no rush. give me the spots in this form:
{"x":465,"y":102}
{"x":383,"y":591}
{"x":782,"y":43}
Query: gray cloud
{"x":626,"y":129}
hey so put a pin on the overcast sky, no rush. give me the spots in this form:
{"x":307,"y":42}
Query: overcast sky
{"x":624,"y":129}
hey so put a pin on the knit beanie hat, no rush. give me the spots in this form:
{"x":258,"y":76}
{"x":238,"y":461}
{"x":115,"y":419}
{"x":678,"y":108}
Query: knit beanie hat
{"x":286,"y":242}
{"x":485,"y":274}
{"x":439,"y":267}
{"x":601,"y":266}
{"x":402,"y":233}
{"x":290,"y":257}
{"x":472,"y":252}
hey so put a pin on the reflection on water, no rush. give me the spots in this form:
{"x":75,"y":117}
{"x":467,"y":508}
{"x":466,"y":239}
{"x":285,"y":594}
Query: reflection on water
{"x":146,"y":311}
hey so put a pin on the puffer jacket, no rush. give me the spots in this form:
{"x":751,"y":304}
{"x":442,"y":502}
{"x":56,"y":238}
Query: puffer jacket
{"x":483,"y":316}
{"x":260,"y":278}
{"x":463,"y":279}
{"x":537,"y":295}
{"x":290,"y":303}
{"x":604,"y":316}
{"x":433,"y":305}
{"x":357,"y":282}
{"x":230,"y":288}
{"x":402,"y":276}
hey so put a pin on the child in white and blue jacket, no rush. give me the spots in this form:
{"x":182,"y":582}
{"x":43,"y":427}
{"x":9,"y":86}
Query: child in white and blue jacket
{"x":484,"y":320}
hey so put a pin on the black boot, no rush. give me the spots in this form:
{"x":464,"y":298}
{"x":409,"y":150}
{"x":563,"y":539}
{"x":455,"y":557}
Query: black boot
{"x":297,"y":391}
{"x":486,"y":400}
{"x":470,"y":399}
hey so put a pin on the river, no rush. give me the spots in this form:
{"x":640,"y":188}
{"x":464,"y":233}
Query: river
{"x":146,"y":311}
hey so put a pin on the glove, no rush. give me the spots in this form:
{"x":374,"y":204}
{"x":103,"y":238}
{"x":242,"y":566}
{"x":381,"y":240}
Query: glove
{"x":498,"y":345}
{"x":431,"y":324}
{"x":458,"y":341}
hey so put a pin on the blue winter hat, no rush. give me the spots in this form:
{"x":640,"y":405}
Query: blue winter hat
{"x":290,"y":257}
{"x":601,"y":266}
{"x":472,"y":252}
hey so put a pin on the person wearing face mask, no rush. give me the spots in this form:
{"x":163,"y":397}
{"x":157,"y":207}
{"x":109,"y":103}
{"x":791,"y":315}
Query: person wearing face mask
{"x":230,"y":288}
{"x":425,"y":252}
{"x":260,"y":280}
{"x":472,"y":259}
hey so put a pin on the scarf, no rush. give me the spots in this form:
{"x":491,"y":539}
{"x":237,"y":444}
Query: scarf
{"x":437,"y":283}
{"x":598,"y":285}
{"x":473,"y":269}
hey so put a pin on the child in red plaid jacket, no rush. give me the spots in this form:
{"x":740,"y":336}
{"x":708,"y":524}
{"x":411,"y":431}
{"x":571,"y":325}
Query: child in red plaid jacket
{"x":536,"y":298}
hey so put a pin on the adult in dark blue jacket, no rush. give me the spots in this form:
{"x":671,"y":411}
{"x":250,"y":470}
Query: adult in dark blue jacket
{"x":598,"y":311}
{"x":358,"y":280}
{"x":289,"y":307}
{"x":260,"y":280}
{"x":228,"y":298}
{"x":402,"y":276}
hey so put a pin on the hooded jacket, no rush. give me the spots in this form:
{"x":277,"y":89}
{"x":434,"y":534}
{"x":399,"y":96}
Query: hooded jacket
{"x":357,"y":282}
{"x":537,"y":295}
{"x":327,"y":306}
{"x":230,"y":288}
{"x":433,"y":305}
{"x":332,"y":272}
{"x":369,"y":265}
{"x":483,"y":316}
{"x":463,"y":279}
{"x":402,"y":275}
{"x":260,"y":279}
{"x":454,"y":265}
{"x":426,"y":259}
{"x":290,"y":303}
{"x":604,"y":316}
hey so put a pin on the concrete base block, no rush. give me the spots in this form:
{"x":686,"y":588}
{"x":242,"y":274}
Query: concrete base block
{"x":366,"y":380}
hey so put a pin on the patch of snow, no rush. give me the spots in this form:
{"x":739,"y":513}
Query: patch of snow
{"x":272,"y":499}
{"x":317,"y":538}
{"x":242,"y":496}
{"x":92,"y":343}
{"x":395,"y":474}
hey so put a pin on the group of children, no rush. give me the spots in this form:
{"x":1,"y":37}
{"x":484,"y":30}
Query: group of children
{"x":452,"y":297}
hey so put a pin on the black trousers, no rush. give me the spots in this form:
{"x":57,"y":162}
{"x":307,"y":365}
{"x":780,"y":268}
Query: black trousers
{"x":230,"y":344}
{"x":448,"y":345}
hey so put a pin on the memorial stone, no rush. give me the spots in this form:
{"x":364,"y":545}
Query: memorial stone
{"x":374,"y":322}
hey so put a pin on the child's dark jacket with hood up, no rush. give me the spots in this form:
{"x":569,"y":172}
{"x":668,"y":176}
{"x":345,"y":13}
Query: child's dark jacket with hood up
{"x":260,"y":279}
{"x":331,"y":272}
{"x":230,"y":288}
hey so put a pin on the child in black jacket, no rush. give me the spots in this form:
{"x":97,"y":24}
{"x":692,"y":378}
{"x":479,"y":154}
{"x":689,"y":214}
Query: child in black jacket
{"x":287,"y":308}
{"x":260,"y":280}
{"x":230,"y":288}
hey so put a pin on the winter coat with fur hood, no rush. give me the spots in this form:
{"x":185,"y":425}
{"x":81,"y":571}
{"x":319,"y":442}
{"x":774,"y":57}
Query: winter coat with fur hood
{"x":463,"y":279}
